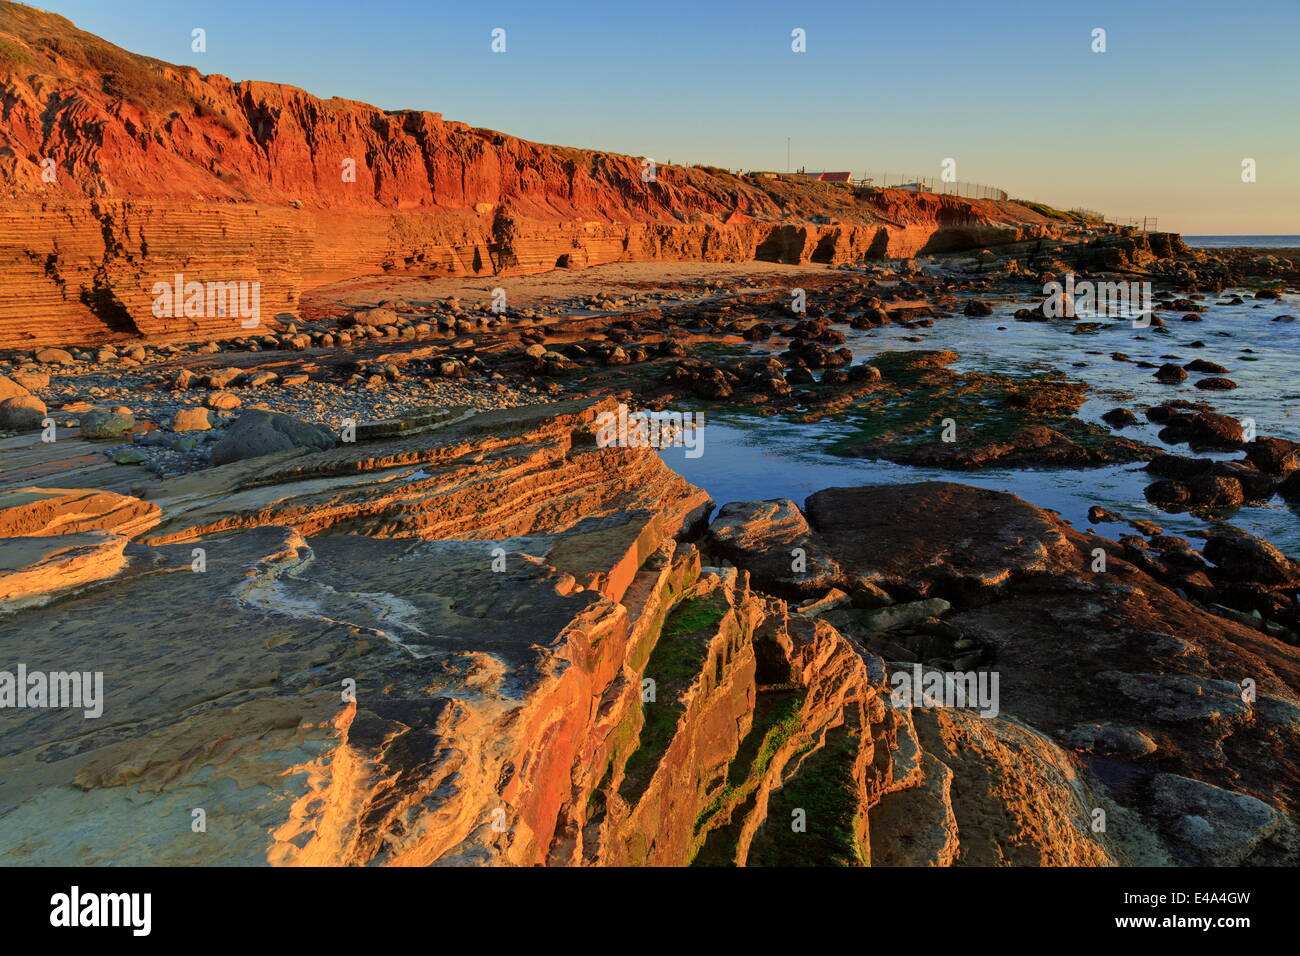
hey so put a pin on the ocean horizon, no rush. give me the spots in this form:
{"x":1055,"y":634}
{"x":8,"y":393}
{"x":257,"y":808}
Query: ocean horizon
{"x":1227,"y":242}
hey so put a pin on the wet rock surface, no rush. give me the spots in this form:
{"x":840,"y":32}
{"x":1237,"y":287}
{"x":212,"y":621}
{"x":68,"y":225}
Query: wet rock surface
{"x":467,"y":615}
{"x":774,"y":635}
{"x":1102,"y":657}
{"x":374,"y":561}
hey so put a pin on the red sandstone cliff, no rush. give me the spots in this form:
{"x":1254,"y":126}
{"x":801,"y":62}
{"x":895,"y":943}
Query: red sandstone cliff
{"x":118,"y":171}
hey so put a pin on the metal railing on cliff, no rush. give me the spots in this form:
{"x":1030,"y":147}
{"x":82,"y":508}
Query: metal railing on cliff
{"x":930,"y":184}
{"x":1138,"y":223}
{"x":969,"y":190}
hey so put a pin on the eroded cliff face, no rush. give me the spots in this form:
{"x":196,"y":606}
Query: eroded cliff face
{"x":486,"y":641}
{"x":121,"y":171}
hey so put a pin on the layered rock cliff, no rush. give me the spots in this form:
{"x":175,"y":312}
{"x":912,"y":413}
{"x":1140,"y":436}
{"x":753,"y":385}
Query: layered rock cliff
{"x":118,"y":171}
{"x":486,"y":640}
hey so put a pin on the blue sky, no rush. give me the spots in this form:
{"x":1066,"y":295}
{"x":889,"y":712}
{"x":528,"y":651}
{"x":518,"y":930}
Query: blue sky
{"x":1157,"y":125}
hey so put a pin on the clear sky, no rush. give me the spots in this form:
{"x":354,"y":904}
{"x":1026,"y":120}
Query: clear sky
{"x":1158,"y":125}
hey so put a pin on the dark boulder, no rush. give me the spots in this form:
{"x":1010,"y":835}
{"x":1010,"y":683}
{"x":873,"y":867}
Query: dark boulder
{"x":257,"y":433}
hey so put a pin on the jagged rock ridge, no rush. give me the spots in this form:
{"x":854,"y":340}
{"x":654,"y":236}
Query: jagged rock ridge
{"x":494,"y":642}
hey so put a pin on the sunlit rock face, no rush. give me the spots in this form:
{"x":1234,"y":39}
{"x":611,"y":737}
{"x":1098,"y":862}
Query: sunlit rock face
{"x":178,"y":174}
{"x":493,"y":642}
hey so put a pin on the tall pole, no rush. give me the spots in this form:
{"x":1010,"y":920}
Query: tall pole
{"x":787,"y":154}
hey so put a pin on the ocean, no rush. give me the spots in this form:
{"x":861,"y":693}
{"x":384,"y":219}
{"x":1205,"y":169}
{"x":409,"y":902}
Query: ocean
{"x":1221,"y":242}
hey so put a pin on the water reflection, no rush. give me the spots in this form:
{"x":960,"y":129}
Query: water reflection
{"x":749,"y":457}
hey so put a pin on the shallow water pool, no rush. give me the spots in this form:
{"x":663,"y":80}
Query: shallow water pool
{"x":748,"y":457}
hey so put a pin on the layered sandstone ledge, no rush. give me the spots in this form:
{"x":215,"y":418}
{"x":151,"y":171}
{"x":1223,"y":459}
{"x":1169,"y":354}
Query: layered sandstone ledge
{"x":173,"y":172}
{"x":79,"y":271}
{"x":493,"y":642}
